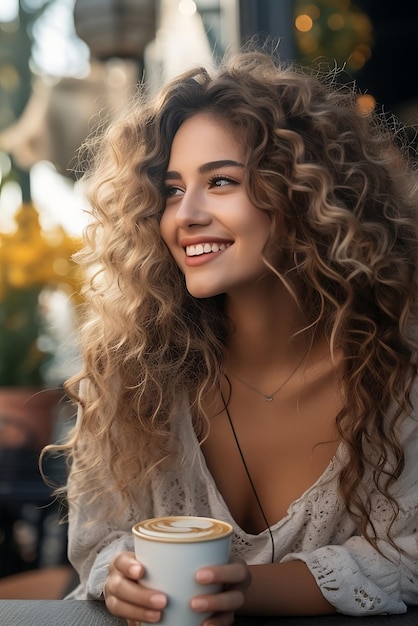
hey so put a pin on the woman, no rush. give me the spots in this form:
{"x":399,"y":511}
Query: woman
{"x":250,"y":350}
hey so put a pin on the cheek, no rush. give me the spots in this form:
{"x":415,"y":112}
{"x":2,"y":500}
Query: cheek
{"x":259,"y":227}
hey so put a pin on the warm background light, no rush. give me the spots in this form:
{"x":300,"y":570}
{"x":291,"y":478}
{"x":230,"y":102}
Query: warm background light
{"x":366,"y":103}
{"x":337,"y":33}
{"x":303,"y":23}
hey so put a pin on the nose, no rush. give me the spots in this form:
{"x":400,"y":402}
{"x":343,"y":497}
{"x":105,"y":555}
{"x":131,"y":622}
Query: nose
{"x":192,"y":210}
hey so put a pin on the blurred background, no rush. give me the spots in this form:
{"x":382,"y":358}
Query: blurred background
{"x":63,"y":64}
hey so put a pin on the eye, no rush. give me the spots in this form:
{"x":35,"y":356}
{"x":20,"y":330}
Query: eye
{"x":172,"y":191}
{"x":220,"y":180}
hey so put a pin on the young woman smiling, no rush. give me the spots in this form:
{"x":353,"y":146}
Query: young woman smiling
{"x":250,"y":346}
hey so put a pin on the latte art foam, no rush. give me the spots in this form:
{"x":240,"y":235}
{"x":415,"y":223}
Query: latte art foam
{"x":182,"y":529}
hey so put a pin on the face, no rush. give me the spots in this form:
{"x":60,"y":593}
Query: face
{"x":213,"y":231}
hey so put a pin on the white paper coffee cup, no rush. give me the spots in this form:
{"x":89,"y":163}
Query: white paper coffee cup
{"x":172,"y":549}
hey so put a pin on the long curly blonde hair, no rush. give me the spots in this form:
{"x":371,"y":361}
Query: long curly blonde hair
{"x":343,"y":202}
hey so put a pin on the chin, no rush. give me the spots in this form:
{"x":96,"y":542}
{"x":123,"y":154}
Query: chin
{"x":200,"y":292}
{"x":202,"y":295}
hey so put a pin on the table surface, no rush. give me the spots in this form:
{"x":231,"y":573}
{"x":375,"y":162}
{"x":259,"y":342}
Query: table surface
{"x":88,"y":613}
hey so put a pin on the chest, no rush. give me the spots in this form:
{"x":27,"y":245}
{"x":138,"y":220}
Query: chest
{"x":264,"y":455}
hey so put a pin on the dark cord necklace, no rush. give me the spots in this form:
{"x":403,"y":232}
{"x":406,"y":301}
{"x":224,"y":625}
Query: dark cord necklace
{"x":247,"y":471}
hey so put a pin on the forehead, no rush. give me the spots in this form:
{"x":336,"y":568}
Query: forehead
{"x":206,"y":137}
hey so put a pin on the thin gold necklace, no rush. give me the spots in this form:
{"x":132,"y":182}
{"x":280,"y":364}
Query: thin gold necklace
{"x":269,"y":397}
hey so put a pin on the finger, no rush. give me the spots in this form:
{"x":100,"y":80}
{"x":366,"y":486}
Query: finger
{"x":230,"y":574}
{"x":126,"y":597}
{"x":128,"y":565}
{"x":133,"y":592}
{"x":227,"y":601}
{"x":135,"y":612}
{"x":121,"y":590}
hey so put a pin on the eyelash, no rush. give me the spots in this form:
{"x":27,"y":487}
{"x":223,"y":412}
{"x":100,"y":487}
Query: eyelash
{"x":211,"y":183}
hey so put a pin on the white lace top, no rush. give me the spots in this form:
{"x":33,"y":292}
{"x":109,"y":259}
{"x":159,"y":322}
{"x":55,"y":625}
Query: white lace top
{"x":317,"y":529}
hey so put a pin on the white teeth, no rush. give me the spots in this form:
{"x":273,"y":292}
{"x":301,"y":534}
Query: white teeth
{"x":205,"y":248}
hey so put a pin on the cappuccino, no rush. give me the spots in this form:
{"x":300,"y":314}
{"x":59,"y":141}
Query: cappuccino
{"x":182,"y":529}
{"x":172,"y":549}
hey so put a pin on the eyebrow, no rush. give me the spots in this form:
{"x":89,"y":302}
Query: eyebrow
{"x":207,"y":167}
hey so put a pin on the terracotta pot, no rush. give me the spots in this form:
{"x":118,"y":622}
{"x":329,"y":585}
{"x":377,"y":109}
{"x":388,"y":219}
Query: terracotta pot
{"x":27,"y":416}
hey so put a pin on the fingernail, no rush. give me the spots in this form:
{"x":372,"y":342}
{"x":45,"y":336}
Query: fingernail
{"x":135,"y":571}
{"x":159,"y":600}
{"x":199,"y":604}
{"x":204,"y":576}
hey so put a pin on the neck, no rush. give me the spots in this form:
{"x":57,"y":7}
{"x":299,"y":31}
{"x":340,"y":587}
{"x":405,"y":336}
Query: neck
{"x":265,"y":332}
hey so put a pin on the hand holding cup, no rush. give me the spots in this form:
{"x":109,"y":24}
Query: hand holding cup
{"x":172,"y":550}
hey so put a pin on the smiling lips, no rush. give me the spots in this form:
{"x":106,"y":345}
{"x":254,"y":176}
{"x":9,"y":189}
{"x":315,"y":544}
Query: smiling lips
{"x":205,"y":248}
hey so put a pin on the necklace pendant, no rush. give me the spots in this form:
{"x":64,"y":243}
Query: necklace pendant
{"x":268,"y":398}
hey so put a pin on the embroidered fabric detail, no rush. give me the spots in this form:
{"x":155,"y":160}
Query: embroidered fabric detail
{"x":346,"y":582}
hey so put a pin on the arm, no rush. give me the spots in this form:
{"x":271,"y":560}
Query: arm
{"x":271,"y":589}
{"x":352,"y":579}
{"x":284,"y":589}
{"x":356,"y":578}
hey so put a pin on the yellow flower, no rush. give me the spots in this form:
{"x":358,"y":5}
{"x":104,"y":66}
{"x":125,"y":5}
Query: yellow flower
{"x":32,"y":257}
{"x":32,"y":262}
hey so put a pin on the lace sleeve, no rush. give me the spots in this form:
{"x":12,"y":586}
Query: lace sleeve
{"x":364,"y":586}
{"x":98,"y":532}
{"x":91,"y":547}
{"x":357,"y":579}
